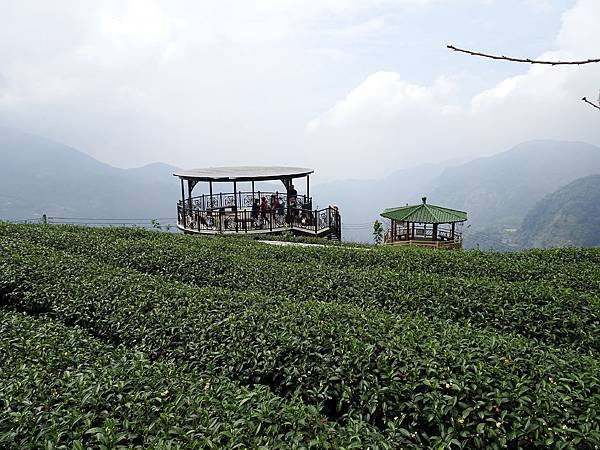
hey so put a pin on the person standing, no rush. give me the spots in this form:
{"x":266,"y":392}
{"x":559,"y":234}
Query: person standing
{"x":254,"y":213}
{"x":264,"y":208}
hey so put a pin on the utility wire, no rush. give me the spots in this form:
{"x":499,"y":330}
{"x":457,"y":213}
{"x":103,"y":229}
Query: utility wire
{"x":111,"y":219}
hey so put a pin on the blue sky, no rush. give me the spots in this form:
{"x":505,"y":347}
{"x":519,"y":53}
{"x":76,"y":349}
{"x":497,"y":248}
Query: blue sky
{"x":354,"y":89}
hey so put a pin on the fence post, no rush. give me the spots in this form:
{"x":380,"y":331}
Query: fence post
{"x":316,"y":222}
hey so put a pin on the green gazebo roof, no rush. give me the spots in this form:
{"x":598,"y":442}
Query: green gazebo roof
{"x":424,"y":213}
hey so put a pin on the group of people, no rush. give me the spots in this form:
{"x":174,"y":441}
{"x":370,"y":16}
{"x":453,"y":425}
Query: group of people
{"x":275,"y":205}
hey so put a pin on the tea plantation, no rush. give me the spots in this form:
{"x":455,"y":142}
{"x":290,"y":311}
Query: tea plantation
{"x":123,"y":338}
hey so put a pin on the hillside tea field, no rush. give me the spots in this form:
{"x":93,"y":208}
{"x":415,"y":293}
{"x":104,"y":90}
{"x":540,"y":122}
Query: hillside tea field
{"x":123,"y":338}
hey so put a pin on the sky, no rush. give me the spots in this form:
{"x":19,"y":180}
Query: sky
{"x":354,"y":89}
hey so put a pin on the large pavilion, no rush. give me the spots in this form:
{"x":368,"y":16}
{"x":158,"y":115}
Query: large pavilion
{"x":252,"y":210}
{"x":425,"y":225}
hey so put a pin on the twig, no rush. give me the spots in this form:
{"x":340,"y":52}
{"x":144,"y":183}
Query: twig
{"x":590,"y":103}
{"x":524,"y":60}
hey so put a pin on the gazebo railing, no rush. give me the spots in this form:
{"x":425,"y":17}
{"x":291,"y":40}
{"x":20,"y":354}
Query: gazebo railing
{"x":225,"y":220}
{"x":423,"y":233}
{"x":207,"y":202}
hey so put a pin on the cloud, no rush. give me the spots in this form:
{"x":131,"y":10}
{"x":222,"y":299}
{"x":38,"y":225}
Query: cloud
{"x":382,"y":100}
{"x":225,"y":82}
{"x":401,"y":122}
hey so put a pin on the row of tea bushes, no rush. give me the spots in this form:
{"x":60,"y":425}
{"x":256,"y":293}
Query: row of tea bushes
{"x":556,"y":316}
{"x":420,"y":380}
{"x":61,"y":388}
{"x":565,"y":267}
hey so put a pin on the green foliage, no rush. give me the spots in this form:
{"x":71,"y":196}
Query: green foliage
{"x":377,"y":232}
{"x":547,"y":310}
{"x":378,"y":347}
{"x":61,"y":388}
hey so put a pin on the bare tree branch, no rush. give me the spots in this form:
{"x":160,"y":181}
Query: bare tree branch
{"x":590,"y":103}
{"x":524,"y":60}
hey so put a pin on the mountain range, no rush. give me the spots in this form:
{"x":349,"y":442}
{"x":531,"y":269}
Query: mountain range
{"x":500,"y":192}
{"x":38,"y":176}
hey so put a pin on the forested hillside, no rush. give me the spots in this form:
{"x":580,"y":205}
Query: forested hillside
{"x":568,"y":217}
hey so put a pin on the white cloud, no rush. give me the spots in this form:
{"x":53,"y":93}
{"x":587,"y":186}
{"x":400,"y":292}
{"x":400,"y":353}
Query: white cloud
{"x":382,"y":99}
{"x":404,"y":122}
{"x":237,"y":82}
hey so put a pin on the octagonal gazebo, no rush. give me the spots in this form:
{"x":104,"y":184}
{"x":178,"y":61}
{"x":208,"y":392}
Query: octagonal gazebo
{"x":252,"y":210}
{"x":425,"y":225}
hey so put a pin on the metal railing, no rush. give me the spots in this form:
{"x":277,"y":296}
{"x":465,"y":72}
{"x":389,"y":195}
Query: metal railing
{"x":221,"y":200}
{"x":229,"y":220}
{"x":421,"y":233}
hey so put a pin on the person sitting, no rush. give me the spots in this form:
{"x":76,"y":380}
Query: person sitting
{"x":278,"y":205}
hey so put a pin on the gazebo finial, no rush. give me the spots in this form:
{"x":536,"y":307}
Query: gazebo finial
{"x":424,"y":199}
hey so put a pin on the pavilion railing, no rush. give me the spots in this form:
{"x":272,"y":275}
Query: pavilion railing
{"x":226,"y":220}
{"x":421,"y":233}
{"x":222,"y":200}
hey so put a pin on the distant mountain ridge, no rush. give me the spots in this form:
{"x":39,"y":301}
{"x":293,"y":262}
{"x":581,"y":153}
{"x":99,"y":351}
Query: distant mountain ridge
{"x":569,"y":216}
{"x":498,"y":191}
{"x":38,"y":176}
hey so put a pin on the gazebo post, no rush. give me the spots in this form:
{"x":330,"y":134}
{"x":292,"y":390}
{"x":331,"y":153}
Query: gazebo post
{"x":287,"y":183}
{"x":252,"y":191}
{"x":434,"y":232}
{"x":183,"y":203}
{"x":235,"y":204}
{"x":190,"y":187}
{"x":308,"y":187}
{"x":210,"y":191}
{"x":453,"y":231}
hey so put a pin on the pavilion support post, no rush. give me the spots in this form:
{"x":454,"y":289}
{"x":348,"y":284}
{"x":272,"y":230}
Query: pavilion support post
{"x":253,"y":192}
{"x":210,"y":191}
{"x":182,"y":203}
{"x":453,"y":228}
{"x":413,"y":230}
{"x":434,"y":232}
{"x":287,"y":182}
{"x":190,"y":187}
{"x":308,"y":187}
{"x":235,"y":203}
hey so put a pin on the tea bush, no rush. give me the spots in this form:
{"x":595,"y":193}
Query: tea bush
{"x":61,"y":388}
{"x":555,"y":315}
{"x":421,"y":380}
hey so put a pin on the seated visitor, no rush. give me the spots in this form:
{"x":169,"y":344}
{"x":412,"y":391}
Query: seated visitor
{"x":264,"y":207}
{"x":276,"y":204}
